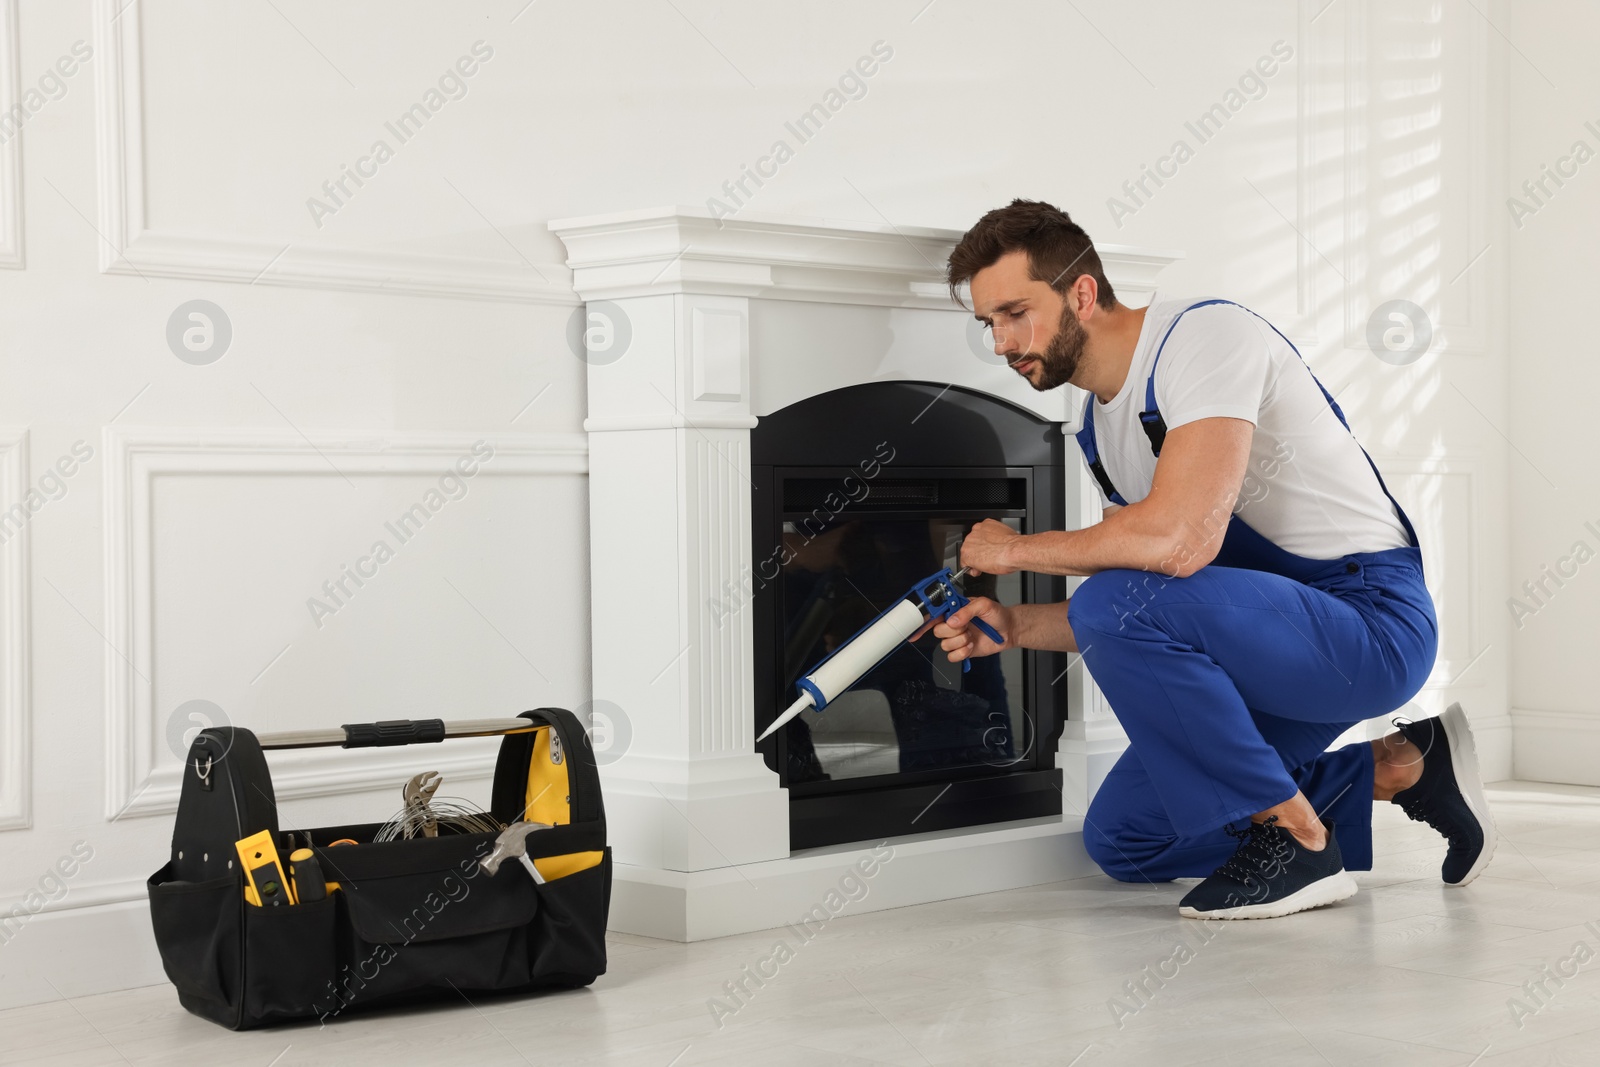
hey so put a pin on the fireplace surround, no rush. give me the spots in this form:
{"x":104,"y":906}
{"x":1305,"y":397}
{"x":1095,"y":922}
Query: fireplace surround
{"x":728,"y":322}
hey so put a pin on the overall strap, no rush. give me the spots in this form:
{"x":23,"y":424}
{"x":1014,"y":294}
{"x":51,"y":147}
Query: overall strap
{"x":1155,"y":427}
{"x":1091,"y":453}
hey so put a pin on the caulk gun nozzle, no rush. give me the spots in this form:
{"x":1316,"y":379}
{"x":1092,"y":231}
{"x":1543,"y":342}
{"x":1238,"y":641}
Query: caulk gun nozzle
{"x":796,"y":708}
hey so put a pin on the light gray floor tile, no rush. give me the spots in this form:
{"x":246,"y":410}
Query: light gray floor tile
{"x":1409,"y":971}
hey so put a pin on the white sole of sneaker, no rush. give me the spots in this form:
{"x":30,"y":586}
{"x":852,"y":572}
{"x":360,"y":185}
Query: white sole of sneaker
{"x":1464,"y":761}
{"x":1322,"y":892}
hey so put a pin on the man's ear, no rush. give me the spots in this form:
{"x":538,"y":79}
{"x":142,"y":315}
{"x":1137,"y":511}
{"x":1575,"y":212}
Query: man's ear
{"x":1084,"y":295}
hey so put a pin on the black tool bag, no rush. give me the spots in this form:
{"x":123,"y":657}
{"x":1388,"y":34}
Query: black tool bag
{"x":402,"y":920}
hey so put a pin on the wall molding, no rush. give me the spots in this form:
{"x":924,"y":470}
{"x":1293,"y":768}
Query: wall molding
{"x":16,"y":748}
{"x":1363,"y":186}
{"x":1304,"y":330}
{"x":11,"y":148}
{"x":135,"y":783}
{"x":129,"y":246}
{"x":1496,"y":740}
{"x":1556,"y":746}
{"x":1583,"y":722}
{"x":623,"y":423}
{"x":1448,"y":674}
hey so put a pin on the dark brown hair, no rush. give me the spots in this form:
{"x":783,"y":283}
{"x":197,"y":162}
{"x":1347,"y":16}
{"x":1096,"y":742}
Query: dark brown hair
{"x":1059,"y":251}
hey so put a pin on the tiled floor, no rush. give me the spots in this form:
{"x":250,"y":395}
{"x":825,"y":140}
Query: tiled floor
{"x":1408,"y":972}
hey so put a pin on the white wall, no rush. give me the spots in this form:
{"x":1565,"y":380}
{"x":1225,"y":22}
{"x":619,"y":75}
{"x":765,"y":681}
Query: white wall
{"x":1552,"y":595}
{"x":373,"y":344}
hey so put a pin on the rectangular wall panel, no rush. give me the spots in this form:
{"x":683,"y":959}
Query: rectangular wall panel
{"x":16,"y":754}
{"x":278,"y":583}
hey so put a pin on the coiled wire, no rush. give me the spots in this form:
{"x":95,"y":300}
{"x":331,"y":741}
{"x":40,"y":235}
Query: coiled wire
{"x":455,"y":813}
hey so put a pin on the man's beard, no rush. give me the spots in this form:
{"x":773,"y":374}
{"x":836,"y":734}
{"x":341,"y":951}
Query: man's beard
{"x":1059,"y":360}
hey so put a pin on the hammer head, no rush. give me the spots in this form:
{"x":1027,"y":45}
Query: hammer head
{"x":512,"y":842}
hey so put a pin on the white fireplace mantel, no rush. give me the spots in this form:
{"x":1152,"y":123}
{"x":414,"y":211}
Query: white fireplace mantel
{"x":683,"y":249}
{"x":702,"y":325}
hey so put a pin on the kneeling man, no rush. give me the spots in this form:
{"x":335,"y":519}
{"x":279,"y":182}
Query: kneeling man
{"x":1253,"y":591}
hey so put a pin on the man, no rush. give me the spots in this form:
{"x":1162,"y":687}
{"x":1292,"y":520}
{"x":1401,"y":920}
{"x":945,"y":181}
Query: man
{"x":1253,"y":590}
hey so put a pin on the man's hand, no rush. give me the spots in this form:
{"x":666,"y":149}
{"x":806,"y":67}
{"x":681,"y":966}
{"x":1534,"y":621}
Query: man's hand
{"x":984,"y":549}
{"x":962,"y":640}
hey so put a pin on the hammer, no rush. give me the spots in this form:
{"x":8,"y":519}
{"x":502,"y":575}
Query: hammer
{"x":513,"y":841}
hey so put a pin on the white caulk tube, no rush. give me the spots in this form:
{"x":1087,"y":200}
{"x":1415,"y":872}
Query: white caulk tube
{"x":846,"y":666}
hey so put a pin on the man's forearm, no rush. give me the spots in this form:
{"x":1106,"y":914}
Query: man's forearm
{"x":1175,"y":529}
{"x":1041,"y":626}
{"x":1133,"y":537}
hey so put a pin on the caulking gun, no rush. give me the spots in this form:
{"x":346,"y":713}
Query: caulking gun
{"x":935,"y":597}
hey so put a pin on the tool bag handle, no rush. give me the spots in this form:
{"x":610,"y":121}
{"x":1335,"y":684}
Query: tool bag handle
{"x":391,"y":732}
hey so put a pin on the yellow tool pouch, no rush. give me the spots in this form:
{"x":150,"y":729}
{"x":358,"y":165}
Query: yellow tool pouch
{"x":548,"y":775}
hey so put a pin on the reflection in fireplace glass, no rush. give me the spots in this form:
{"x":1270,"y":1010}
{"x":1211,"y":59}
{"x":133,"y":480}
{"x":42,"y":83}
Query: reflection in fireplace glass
{"x":915,"y":711}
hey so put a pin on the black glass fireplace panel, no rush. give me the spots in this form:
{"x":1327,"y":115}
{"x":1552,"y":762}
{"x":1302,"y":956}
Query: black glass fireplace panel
{"x":915,"y":711}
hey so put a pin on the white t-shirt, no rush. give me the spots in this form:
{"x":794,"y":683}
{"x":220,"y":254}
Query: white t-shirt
{"x":1309,"y":488}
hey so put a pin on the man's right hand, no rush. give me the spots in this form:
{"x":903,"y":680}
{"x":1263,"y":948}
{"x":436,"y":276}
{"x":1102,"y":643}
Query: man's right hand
{"x":961,"y":640}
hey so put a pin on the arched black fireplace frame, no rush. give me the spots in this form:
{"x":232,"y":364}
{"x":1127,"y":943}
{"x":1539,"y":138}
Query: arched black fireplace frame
{"x":982,"y":457}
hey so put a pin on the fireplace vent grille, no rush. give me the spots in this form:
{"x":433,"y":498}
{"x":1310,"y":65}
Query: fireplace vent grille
{"x":887,"y":494}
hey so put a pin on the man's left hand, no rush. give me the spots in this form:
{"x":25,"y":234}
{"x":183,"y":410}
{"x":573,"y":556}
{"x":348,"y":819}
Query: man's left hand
{"x":986,"y":548}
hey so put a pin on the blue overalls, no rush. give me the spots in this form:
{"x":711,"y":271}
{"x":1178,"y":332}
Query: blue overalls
{"x":1232,"y":682}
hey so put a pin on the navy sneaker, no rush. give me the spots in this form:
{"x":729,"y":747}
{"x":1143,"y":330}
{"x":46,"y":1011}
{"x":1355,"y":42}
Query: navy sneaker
{"x":1270,"y":875}
{"x":1449,"y":795}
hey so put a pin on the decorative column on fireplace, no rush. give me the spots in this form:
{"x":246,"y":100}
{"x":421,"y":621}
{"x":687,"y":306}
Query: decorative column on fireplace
{"x":720,"y":327}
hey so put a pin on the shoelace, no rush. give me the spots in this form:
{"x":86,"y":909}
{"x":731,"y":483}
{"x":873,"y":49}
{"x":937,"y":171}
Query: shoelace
{"x":1421,"y":809}
{"x":1263,"y":850}
{"x":1418,"y":810}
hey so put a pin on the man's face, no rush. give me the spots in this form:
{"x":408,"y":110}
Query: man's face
{"x":1034,"y":327}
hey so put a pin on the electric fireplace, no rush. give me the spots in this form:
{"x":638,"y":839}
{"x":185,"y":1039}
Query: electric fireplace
{"x":752,"y":354}
{"x":858,"y":494}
